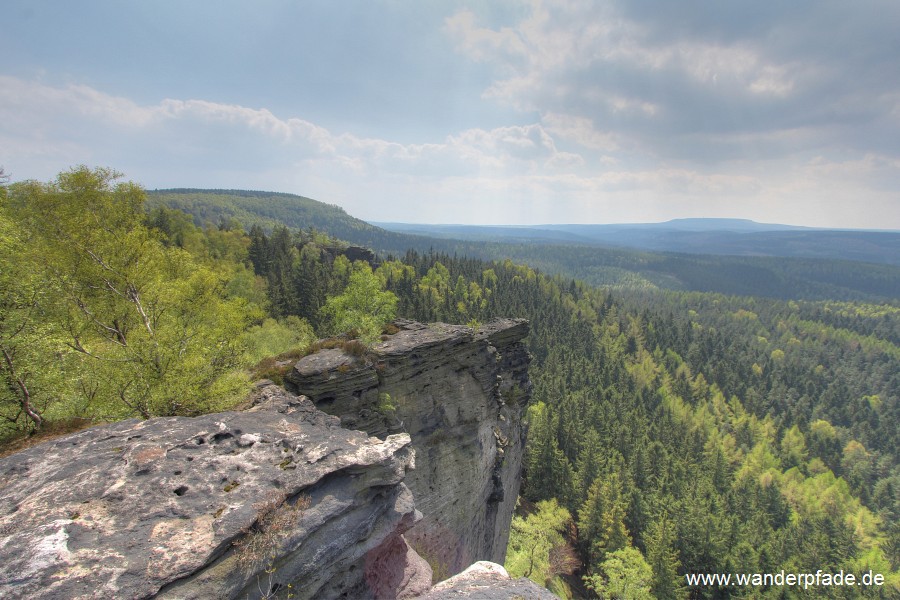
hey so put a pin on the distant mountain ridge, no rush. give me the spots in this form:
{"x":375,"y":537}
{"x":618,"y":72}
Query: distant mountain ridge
{"x":724,"y":237}
{"x":685,"y":224}
{"x":267,"y":209}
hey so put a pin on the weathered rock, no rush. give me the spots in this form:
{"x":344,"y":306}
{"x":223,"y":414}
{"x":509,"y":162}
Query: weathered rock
{"x":178,"y":507}
{"x":243,"y":504}
{"x":460,"y":396}
{"x":487,"y":581}
{"x":396,"y":570}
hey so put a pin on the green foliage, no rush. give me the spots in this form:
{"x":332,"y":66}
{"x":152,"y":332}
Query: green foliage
{"x":364,"y":307}
{"x":710,"y":433}
{"x":31,"y":365}
{"x":601,"y":520}
{"x":548,"y":471}
{"x":667,"y":584}
{"x":276,"y":336}
{"x":537,"y":546}
{"x":386,"y":405}
{"x":105,"y":320}
{"x":623,"y":575}
{"x":668,"y":412}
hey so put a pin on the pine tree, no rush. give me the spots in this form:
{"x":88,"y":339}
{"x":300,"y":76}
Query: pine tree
{"x":663,"y":559}
{"x":601,"y":520}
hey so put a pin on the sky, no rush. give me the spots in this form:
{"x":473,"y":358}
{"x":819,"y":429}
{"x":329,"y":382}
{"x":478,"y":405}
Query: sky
{"x":496,"y":112}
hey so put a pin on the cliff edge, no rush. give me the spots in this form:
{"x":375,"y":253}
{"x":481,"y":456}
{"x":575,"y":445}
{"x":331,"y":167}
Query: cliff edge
{"x":460,"y":395}
{"x":284,"y":500}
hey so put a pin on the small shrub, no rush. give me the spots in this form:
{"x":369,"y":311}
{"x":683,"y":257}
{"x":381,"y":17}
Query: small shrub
{"x":18,"y":441}
{"x":438,"y":437}
{"x":474,"y":325}
{"x":276,"y":519}
{"x":514,"y":395}
{"x":355,"y":348}
{"x":386,"y":405}
{"x":276,"y":367}
{"x":324,"y":344}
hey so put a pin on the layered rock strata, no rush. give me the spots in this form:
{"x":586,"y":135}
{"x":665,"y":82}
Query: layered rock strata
{"x":229,"y":505}
{"x":460,"y":396}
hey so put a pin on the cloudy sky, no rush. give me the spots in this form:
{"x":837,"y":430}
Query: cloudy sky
{"x":472,"y":112}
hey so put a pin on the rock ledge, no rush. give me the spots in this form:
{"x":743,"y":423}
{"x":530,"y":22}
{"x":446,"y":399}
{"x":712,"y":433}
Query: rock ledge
{"x":162,"y":507}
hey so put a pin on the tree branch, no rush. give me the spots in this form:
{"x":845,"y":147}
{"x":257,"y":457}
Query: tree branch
{"x":25,"y":402}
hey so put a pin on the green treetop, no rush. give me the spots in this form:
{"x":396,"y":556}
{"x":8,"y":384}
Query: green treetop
{"x":364,"y":306}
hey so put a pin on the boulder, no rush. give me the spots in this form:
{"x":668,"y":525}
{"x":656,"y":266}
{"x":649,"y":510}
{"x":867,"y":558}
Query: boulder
{"x":487,"y":581}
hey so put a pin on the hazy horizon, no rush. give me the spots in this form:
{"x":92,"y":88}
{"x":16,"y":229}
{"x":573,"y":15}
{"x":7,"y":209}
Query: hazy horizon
{"x":510,"y":112}
{"x":633,"y":223}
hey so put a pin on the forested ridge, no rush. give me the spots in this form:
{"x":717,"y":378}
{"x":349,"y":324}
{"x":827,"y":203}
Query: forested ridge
{"x":670,"y":432}
{"x":785,"y":278}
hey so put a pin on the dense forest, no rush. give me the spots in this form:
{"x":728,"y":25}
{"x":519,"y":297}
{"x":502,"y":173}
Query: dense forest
{"x":671,"y":432}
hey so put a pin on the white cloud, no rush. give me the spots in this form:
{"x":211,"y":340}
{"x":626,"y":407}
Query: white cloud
{"x":483,"y":44}
{"x":646,"y":79}
{"x":231,"y":136}
{"x":581,"y":131}
{"x":570,"y":164}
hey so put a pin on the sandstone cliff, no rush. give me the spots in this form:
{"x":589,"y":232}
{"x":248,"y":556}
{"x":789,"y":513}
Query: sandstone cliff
{"x":281,"y":498}
{"x":460,"y":396}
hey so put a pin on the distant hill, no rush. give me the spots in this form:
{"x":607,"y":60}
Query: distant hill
{"x":731,"y":237}
{"x":272,"y":209}
{"x":688,"y":224}
{"x":777,"y":261}
{"x":490,"y":233}
{"x":267,"y":209}
{"x":714,"y":224}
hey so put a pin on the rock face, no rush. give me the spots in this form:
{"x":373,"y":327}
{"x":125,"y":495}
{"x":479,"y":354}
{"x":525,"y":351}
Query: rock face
{"x":460,"y":396}
{"x":196,"y":507}
{"x":283,"y":499}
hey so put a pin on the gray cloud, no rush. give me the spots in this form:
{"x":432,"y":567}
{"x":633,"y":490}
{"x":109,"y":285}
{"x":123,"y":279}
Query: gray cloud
{"x":677,"y":76}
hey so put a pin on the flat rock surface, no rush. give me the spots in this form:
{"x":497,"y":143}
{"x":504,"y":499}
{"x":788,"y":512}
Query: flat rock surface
{"x":140,"y":508}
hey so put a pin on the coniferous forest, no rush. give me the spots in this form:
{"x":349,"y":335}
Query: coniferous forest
{"x":698,"y":430}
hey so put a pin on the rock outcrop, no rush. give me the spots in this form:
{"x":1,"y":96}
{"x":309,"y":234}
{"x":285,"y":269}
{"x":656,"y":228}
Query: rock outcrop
{"x":460,"y":395}
{"x":284,"y":499}
{"x":487,"y":581}
{"x":198,"y":507}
